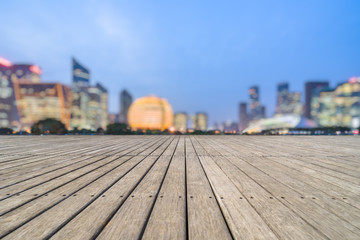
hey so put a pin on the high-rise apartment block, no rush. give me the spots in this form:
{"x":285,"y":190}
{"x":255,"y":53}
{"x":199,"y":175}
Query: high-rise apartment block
{"x":199,"y":121}
{"x":288,"y":102}
{"x":310,"y":90}
{"x":339,"y":106}
{"x":125,"y":102}
{"x":180,"y":122}
{"x":243,"y":116}
{"x":89,"y":103}
{"x":255,"y":108}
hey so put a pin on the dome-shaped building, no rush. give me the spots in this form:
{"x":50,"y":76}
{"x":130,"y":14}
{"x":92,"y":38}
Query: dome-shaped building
{"x":150,"y":112}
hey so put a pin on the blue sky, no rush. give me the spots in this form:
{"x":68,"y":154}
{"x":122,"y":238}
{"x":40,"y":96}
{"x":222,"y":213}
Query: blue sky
{"x":200,"y":55}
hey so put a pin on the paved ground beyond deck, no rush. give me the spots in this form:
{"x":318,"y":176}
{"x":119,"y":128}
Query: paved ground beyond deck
{"x":179,"y":187}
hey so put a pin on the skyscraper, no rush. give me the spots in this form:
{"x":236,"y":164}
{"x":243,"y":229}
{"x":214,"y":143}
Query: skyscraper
{"x":243,"y":116}
{"x":339,"y":106}
{"x":8,"y":111}
{"x":89,"y":103}
{"x":80,"y":74}
{"x":287,"y":102}
{"x":255,"y":108}
{"x":282,"y":97}
{"x":199,"y":121}
{"x":180,"y":122}
{"x":262,"y":112}
{"x":125,"y":102}
{"x":310,"y":89}
{"x":97,"y":113}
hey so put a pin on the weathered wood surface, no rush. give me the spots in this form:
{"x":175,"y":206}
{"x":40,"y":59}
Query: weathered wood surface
{"x":179,"y":187}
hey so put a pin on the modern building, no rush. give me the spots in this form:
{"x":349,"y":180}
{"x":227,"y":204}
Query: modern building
{"x":97,"y":112}
{"x":80,"y":74}
{"x":288,"y":102}
{"x":255,"y":108}
{"x":39,"y":101}
{"x":243,"y":116}
{"x":310,"y":89}
{"x":125,"y":102}
{"x":262,"y":112}
{"x":24,"y":100}
{"x":151,"y":113}
{"x":8,"y":111}
{"x":180,"y":122}
{"x":339,"y":106}
{"x":199,"y":121}
{"x":284,"y":121}
{"x":89,"y":103}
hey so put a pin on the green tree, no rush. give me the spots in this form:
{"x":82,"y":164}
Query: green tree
{"x":48,"y":126}
{"x":118,"y":129}
{"x":6,"y":131}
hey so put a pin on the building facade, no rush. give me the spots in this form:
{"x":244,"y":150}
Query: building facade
{"x":89,"y":103}
{"x":243,"y":116}
{"x":288,"y":102}
{"x":339,"y":106}
{"x":199,"y":121}
{"x":125,"y":103}
{"x":180,"y":122}
{"x":24,"y":99}
{"x":310,"y":89}
{"x":255,"y":108}
{"x":39,"y":101}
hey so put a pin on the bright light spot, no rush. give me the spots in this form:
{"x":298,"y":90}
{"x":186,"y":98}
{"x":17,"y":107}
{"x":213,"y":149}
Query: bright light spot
{"x":35,"y":69}
{"x":4,"y":62}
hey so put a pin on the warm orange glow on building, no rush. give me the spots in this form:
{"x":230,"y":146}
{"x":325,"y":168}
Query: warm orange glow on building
{"x":150,"y":113}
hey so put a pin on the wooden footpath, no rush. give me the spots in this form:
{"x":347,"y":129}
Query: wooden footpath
{"x":180,"y":187}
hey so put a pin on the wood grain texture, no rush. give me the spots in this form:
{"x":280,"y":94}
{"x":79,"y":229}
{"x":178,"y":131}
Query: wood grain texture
{"x":179,"y":187}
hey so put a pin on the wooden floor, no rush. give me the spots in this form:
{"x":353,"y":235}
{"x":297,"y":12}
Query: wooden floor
{"x":180,"y":187}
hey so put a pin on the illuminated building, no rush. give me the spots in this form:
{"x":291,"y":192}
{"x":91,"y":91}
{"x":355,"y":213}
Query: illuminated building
{"x":199,"y":121}
{"x":280,"y":122}
{"x":89,"y":103}
{"x":38,"y":101}
{"x":310,"y":89}
{"x":180,"y":122}
{"x":150,"y":112}
{"x":243,"y":116}
{"x":125,"y":102}
{"x":287,"y":102}
{"x":12,"y":76}
{"x":338,"y":107}
{"x":26,"y":73}
{"x":8,"y":112}
{"x":255,"y":108}
{"x":97,"y":112}
{"x":80,"y":74}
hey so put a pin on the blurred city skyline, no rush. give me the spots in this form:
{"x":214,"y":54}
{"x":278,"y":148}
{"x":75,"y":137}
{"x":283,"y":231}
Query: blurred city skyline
{"x":201,"y":57}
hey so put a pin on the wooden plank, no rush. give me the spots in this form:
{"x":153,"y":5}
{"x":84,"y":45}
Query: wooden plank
{"x":283,"y":221}
{"x":92,"y":220}
{"x":205,"y":220}
{"x":168,"y":218}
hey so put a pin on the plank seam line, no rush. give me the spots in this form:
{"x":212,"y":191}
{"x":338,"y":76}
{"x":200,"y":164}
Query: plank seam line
{"x":212,"y":189}
{"x":112,"y":214}
{"x":157,"y":194}
{"x":56,"y":203}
